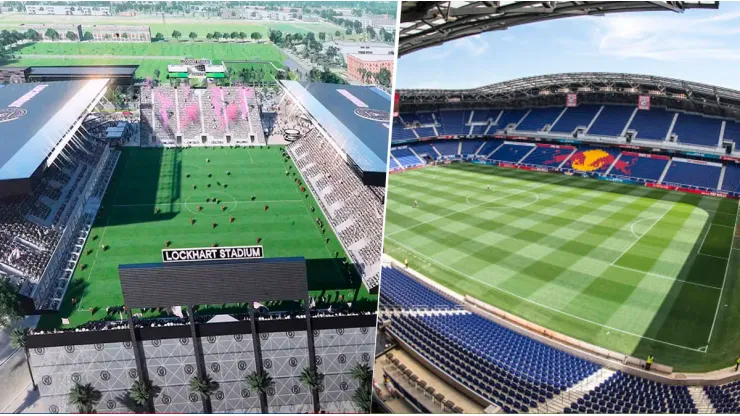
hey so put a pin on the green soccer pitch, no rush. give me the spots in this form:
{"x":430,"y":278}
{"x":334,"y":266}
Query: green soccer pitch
{"x":633,"y":269}
{"x":149,"y":56}
{"x":147,"y":180}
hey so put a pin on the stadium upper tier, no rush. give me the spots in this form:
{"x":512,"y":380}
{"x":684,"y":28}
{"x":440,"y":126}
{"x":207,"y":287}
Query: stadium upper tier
{"x":517,"y":373}
{"x":609,"y":122}
{"x":356,"y":116}
{"x":624,"y":165}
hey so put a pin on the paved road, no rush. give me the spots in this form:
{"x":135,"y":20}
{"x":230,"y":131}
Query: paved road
{"x":16,"y":394}
{"x":15,"y":383}
{"x":6,"y":350}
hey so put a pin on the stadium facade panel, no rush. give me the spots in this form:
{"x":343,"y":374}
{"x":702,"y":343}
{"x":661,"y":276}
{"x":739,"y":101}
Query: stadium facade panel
{"x":229,"y":352}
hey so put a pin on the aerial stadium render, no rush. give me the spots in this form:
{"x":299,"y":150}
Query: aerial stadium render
{"x":567,"y":227}
{"x":279,"y":188}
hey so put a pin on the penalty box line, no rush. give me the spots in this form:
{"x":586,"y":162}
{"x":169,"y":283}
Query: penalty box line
{"x":197,"y":203}
{"x":701,"y":349}
{"x":670,"y":207}
{"x":727,"y":271}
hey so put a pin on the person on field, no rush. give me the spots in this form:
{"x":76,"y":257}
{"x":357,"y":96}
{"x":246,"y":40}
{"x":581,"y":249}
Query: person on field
{"x":406,"y":262}
{"x":737,"y":363}
{"x":649,"y":362}
{"x":416,"y":204}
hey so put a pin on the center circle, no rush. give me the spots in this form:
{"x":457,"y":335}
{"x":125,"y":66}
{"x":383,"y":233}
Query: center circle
{"x":492,"y":199}
{"x":226,"y":198}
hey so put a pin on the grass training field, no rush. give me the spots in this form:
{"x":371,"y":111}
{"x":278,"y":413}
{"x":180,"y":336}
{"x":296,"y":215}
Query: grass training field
{"x":185,"y":25}
{"x":143,"y":54}
{"x":147,"y":179}
{"x":634,"y":269}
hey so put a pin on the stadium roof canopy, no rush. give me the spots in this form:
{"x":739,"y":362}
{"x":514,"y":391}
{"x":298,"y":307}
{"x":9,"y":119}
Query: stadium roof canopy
{"x":38,"y":119}
{"x":605,"y":86}
{"x":431,"y":23}
{"x":63,"y":73}
{"x":356,"y":117}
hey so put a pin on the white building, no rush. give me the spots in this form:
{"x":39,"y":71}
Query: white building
{"x":57,"y":10}
{"x":361,"y":48}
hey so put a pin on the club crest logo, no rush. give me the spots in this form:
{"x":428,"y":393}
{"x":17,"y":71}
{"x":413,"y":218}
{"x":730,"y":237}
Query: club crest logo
{"x":11,"y":113}
{"x":374,"y":115}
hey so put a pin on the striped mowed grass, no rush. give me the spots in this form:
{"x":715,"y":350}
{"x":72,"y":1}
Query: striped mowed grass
{"x":634,"y":269}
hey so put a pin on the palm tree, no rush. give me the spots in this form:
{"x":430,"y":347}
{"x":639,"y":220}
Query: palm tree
{"x":18,"y":340}
{"x":259,"y":383}
{"x":313,"y":380}
{"x":139,"y":396}
{"x":84,"y":397}
{"x":204,"y":386}
{"x":362,"y":396}
{"x":361,"y":373}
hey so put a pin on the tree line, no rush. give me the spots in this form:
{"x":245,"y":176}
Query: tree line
{"x":217,"y":36}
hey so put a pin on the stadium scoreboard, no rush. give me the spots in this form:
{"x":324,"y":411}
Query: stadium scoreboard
{"x":196,"y":71}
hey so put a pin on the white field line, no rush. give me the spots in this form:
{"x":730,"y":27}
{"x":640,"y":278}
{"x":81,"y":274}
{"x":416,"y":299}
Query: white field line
{"x":256,"y":201}
{"x":715,"y":257}
{"x":665,"y":277}
{"x":722,"y":225}
{"x":727,"y":271}
{"x":90,"y":236}
{"x":632,"y":227}
{"x":92,"y":267}
{"x":474,"y":206}
{"x":331,"y":256}
{"x":704,"y":239}
{"x":643,"y":235}
{"x":539,"y":304}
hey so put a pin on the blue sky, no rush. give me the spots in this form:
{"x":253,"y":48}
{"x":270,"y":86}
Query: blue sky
{"x":698,"y":45}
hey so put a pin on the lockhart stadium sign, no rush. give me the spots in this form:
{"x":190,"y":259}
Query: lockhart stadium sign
{"x":211,"y":253}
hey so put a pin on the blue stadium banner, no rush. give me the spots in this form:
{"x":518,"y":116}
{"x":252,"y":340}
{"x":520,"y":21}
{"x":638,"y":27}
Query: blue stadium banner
{"x":176,"y":255}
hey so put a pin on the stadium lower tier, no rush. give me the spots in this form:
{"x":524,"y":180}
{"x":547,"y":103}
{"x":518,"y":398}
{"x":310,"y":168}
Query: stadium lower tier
{"x":620,"y":165}
{"x":520,"y":374}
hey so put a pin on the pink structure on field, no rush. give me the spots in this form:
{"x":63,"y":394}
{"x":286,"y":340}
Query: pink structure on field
{"x":165,"y":103}
{"x":190,"y":115}
{"x":232,"y":111}
{"x":186,"y":91}
{"x":218,"y":106}
{"x":244,"y":94}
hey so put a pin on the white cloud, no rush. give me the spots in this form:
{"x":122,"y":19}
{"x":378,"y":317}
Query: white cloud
{"x":470,"y":46}
{"x":474,"y":45}
{"x":670,"y":38}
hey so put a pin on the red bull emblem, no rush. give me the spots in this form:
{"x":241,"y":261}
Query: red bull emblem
{"x":591,"y":160}
{"x":623,"y":166}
